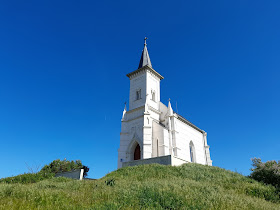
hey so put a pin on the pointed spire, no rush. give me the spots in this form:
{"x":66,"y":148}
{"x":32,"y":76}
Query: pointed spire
{"x":124,"y":111}
{"x":145,"y":58}
{"x":170,"y":110}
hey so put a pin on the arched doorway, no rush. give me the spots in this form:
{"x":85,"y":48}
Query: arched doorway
{"x":137,"y":153}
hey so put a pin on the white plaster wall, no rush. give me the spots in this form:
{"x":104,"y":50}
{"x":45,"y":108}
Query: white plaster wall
{"x":137,"y":83}
{"x":147,"y":140}
{"x":185,"y":134}
{"x":165,"y":145}
{"x":154,"y":115}
{"x":156,"y":140}
{"x":135,"y":113}
{"x":177,"y":161}
{"x":163,"y":109}
{"x":131,"y":130}
{"x":158,"y":134}
{"x":153,"y":84}
{"x":146,"y":82}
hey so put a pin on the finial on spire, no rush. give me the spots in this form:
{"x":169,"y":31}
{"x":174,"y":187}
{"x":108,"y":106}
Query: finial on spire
{"x":145,"y":43}
{"x":169,"y":100}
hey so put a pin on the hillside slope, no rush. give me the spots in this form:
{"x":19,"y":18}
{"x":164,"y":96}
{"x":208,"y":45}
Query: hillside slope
{"x":190,"y":186}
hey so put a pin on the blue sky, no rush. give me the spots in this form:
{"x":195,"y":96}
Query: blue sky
{"x":63,"y":83}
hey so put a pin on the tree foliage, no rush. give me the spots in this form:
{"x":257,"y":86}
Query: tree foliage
{"x":268,"y":172}
{"x":58,"y":166}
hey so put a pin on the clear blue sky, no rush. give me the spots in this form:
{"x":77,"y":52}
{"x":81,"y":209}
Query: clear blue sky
{"x":63,"y":83}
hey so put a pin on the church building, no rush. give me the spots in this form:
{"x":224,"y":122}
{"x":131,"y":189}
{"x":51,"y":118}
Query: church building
{"x":152,"y":132}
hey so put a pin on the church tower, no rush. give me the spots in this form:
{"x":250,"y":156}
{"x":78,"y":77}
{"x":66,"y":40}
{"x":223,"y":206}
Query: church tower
{"x":144,"y":95}
{"x":151,"y":132}
{"x":144,"y":83}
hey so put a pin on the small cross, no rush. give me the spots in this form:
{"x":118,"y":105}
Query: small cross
{"x":124,"y":103}
{"x":145,"y":40}
{"x":169,"y":100}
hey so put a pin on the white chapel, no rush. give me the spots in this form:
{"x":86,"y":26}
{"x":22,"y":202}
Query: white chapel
{"x":152,"y":132}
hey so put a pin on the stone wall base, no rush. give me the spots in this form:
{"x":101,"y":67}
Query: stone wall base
{"x":78,"y":174}
{"x":163,"y":160}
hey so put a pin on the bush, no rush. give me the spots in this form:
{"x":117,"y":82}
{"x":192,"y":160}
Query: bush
{"x":268,"y":172}
{"x":58,"y":166}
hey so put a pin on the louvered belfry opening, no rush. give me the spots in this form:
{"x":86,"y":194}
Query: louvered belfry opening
{"x":137,"y":152}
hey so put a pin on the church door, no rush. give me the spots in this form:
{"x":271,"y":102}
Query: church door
{"x":137,"y":153}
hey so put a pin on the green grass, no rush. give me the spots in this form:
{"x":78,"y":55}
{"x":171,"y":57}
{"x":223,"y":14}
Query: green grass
{"x":190,"y":186}
{"x":27,"y":178}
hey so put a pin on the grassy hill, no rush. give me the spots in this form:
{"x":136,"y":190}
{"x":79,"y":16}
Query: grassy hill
{"x":190,"y":186}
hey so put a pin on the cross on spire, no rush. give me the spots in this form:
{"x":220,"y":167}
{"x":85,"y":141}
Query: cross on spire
{"x":145,"y":43}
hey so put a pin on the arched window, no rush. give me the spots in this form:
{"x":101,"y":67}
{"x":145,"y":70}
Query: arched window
{"x":192,"y":152}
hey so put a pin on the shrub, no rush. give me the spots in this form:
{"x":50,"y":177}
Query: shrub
{"x":268,"y":172}
{"x":58,"y":166}
{"x":86,"y":170}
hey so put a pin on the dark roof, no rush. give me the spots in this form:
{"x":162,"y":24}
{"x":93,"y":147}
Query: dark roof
{"x":145,"y":58}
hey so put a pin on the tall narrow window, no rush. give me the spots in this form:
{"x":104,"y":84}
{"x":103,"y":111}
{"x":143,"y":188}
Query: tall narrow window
{"x":153,"y":96}
{"x":157,"y":149}
{"x":192,"y":152}
{"x":138,"y":94}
